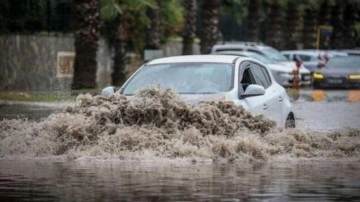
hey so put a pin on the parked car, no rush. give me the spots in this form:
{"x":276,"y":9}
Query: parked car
{"x":351,"y":51}
{"x":339,"y":72}
{"x":242,"y":80}
{"x":259,"y":48}
{"x":312,"y":59}
{"x":282,"y":71}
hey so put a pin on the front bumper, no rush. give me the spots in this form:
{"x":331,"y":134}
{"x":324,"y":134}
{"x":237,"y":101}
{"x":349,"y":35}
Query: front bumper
{"x":336,"y":82}
{"x":287,"y":79}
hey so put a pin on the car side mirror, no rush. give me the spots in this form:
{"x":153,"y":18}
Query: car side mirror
{"x":253,"y":90}
{"x":108,"y":91}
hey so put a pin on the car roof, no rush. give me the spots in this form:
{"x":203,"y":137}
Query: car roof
{"x":196,"y":58}
{"x":235,"y":46}
{"x":307,"y":52}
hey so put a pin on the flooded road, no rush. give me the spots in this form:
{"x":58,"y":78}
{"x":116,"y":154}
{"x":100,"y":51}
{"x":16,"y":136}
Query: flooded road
{"x":81,"y":154}
{"x":176,"y":181}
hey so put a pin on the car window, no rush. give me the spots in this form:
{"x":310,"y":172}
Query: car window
{"x":246,"y":77}
{"x":256,"y":51}
{"x":304,"y":58}
{"x":287,"y":56}
{"x":261,"y":75}
{"x":274,"y":54}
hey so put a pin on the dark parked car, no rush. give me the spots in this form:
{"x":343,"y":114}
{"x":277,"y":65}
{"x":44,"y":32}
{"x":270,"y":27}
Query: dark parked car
{"x":339,"y":72}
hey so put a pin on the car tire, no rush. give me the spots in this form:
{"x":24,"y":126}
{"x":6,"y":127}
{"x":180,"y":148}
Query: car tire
{"x":290,"y":121}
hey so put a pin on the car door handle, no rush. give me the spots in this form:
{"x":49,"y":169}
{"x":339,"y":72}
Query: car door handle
{"x":265,"y":106}
{"x":280,"y":98}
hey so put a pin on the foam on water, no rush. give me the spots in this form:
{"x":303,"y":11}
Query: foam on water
{"x":158,"y":124}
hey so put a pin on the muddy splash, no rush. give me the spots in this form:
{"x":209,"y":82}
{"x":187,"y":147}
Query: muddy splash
{"x":159,"y":124}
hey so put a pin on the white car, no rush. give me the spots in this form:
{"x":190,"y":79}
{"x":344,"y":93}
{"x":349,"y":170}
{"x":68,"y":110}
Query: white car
{"x":282,"y":71}
{"x":245,"y":81}
{"x":314,"y":60}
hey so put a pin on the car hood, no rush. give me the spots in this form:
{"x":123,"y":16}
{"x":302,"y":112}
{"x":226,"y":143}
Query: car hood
{"x":286,"y":67}
{"x":338,"y":71}
{"x":196,"y":98}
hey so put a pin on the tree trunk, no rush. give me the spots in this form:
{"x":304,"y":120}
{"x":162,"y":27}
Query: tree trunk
{"x":86,"y":27}
{"x":292,"y":32}
{"x":118,"y":75}
{"x":349,"y":23}
{"x":153,"y":36}
{"x":310,"y":25}
{"x":337,"y":36}
{"x":325,"y":13}
{"x":252,"y":32}
{"x":189,"y":32}
{"x":273,"y":37}
{"x":210,"y":29}
{"x":324,"y":20}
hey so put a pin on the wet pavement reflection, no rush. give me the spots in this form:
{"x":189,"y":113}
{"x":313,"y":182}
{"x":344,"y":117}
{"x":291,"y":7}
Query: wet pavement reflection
{"x":118,"y":181}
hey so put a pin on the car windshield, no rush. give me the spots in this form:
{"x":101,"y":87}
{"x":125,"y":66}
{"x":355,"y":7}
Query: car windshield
{"x":274,"y":54}
{"x":261,"y":58}
{"x":184,"y":78}
{"x":350,"y":62}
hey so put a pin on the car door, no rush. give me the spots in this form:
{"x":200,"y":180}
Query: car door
{"x":254,"y":104}
{"x":273,"y":96}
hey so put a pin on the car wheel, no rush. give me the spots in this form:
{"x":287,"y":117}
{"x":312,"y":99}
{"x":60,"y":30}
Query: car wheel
{"x":290,"y":121}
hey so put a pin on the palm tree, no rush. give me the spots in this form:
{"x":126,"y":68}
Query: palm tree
{"x":274,"y":30}
{"x":153,"y":34}
{"x":86,"y":31}
{"x":118,"y":76}
{"x":210,"y":29}
{"x":324,"y":20}
{"x":252,"y":32}
{"x":310,"y":28}
{"x":325,"y":13}
{"x":189,"y":30}
{"x":349,"y":23}
{"x":292,"y":31}
{"x":337,"y":36}
{"x":128,"y":17}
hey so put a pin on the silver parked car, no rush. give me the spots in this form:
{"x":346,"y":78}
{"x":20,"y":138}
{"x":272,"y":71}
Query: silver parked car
{"x":282,"y":71}
{"x":312,"y":59}
{"x":254,"y":47}
{"x":245,"y":81}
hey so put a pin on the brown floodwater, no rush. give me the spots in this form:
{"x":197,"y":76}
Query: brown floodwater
{"x":155,"y":147}
{"x":89,"y":180}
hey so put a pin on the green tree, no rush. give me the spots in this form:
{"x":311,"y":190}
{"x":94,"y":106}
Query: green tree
{"x":210,"y":21}
{"x":189,"y":31}
{"x":125,"y":22}
{"x":86,"y":23}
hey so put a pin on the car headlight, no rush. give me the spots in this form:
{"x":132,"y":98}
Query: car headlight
{"x":317,"y":75}
{"x":354,"y":76}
